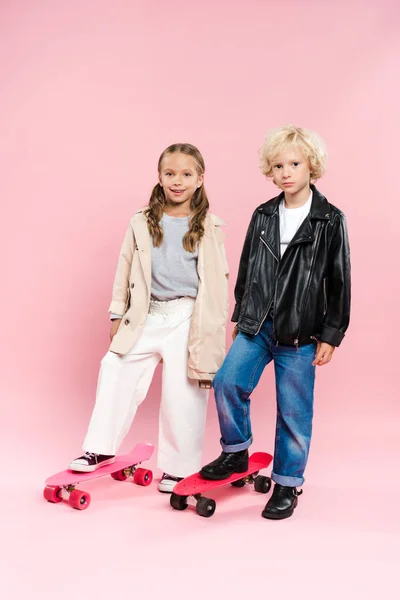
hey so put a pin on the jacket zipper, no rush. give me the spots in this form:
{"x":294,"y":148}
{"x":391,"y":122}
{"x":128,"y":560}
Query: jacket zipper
{"x":267,"y":246}
{"x":269,"y":305}
{"x":325,"y":298}
{"x":296,"y":341}
{"x":265,"y":316}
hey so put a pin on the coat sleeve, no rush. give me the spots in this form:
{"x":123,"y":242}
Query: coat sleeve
{"x":338,"y":286}
{"x":120,"y":293}
{"x":242,"y":272}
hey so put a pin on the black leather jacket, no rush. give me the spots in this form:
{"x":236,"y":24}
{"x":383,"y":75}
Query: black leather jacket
{"x":309,"y":288}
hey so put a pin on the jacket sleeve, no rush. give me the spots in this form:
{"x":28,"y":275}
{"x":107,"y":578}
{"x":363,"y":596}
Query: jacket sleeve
{"x":242,"y":272}
{"x":337,"y":286}
{"x":120,"y":293}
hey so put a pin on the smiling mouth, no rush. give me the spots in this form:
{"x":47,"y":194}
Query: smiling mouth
{"x":177,"y":191}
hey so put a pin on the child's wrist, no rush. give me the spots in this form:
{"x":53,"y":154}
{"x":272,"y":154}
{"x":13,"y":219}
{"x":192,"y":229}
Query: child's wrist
{"x":205,"y":384}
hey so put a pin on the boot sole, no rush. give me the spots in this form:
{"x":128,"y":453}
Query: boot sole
{"x":277,"y":517}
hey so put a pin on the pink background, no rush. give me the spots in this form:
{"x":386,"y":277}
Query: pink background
{"x":91,"y":93}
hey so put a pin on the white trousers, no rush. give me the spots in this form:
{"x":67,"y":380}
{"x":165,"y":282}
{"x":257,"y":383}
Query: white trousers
{"x":124,"y":381}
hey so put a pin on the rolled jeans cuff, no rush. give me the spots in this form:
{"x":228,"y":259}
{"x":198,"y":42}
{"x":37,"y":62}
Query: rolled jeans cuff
{"x":236,"y":447}
{"x":286,"y":480}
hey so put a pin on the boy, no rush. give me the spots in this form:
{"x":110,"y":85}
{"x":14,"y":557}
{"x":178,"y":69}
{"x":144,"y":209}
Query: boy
{"x":292,"y":306}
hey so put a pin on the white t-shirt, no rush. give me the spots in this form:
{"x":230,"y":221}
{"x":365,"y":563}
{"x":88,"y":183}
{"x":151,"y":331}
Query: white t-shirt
{"x":290,"y":220}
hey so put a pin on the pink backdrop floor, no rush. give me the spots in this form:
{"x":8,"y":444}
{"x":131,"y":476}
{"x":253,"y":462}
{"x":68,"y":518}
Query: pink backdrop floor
{"x":343,"y":540}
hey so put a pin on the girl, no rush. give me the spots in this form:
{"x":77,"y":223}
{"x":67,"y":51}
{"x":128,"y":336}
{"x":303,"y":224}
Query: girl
{"x":169,"y":303}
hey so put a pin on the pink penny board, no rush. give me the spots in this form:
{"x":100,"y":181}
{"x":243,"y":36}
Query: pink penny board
{"x":61,"y":486}
{"x":195,"y":485}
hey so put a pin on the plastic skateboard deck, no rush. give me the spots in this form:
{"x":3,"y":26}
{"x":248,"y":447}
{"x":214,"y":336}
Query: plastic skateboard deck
{"x":61,"y":486}
{"x":195,"y":485}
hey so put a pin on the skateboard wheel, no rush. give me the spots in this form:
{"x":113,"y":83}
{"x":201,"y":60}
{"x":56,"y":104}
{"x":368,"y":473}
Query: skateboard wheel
{"x":143,"y":477}
{"x":205,"y":507}
{"x":79,"y":500}
{"x":239,"y":484}
{"x":178,"y":502}
{"x":262,"y":484}
{"x":119,"y":476}
{"x":52,"y":493}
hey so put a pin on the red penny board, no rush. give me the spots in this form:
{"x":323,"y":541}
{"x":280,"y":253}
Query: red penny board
{"x":139,"y":453}
{"x":196,"y":484}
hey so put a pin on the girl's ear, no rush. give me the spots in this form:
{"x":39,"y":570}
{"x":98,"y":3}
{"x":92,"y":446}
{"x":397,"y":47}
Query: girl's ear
{"x":200,"y":180}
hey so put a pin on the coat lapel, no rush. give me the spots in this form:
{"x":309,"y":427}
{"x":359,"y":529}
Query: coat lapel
{"x":304,"y":233}
{"x":143,"y":246}
{"x":270,"y":235}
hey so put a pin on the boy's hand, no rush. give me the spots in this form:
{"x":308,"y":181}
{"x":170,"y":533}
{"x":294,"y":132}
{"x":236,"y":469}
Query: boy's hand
{"x":235,"y":332}
{"x":114,"y":327}
{"x":324,"y":354}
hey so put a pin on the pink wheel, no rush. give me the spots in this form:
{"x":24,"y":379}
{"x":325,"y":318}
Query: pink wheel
{"x":143,"y":477}
{"x":119,"y":476}
{"x":79,"y":500}
{"x":52,"y":493}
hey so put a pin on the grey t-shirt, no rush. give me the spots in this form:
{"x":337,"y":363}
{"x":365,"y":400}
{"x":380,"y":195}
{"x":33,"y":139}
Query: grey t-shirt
{"x":173,"y":269}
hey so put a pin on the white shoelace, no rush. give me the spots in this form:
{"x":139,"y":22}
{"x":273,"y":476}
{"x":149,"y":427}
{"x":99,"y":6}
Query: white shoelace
{"x":170,"y":477}
{"x":90,"y":455}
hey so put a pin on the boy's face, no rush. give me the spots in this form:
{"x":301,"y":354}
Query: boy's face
{"x":290,"y":170}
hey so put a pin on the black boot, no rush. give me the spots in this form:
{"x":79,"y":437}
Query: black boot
{"x":226,"y":464}
{"x":282,"y":502}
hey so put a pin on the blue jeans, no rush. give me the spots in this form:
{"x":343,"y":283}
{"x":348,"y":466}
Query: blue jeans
{"x":294,"y":376}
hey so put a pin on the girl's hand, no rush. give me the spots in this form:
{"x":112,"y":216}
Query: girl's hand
{"x":205,"y":384}
{"x":114,"y":327}
{"x":235,"y":332}
{"x":324,"y":354}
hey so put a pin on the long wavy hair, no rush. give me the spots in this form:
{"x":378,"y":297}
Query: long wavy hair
{"x":199,"y":204}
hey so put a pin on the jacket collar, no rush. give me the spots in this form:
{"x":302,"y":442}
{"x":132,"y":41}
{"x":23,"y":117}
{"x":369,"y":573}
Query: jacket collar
{"x":320,"y":208}
{"x":305,"y":234}
{"x":216,"y":220}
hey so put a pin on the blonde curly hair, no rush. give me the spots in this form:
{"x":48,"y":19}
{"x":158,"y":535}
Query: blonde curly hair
{"x":308,"y":141}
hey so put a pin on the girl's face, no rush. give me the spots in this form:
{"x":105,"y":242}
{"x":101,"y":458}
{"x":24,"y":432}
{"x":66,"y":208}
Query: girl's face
{"x":290,"y":170}
{"x":179,"y":178}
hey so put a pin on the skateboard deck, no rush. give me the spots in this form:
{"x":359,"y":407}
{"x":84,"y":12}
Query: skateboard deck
{"x":195,"y":485}
{"x":62,"y":485}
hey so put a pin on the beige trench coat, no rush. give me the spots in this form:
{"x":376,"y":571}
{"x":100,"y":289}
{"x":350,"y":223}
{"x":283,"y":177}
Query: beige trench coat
{"x":132,"y":289}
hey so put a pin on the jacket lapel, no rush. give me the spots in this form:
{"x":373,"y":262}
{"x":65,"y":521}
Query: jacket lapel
{"x":304,"y":233}
{"x":143,"y":246}
{"x":270,"y":235}
{"x":319,"y":211}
